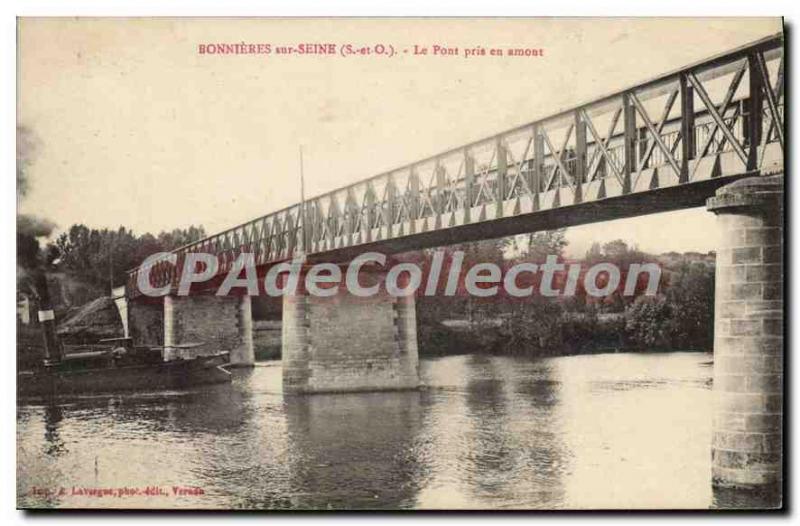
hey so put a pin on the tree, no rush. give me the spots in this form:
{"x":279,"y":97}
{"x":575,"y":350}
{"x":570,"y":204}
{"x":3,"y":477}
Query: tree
{"x":647,"y":322}
{"x":621,"y":255}
{"x":535,"y":246}
{"x":690,"y":292}
{"x":478,"y":310}
{"x":683,"y":317}
{"x":104,"y":256}
{"x":532,"y":325}
{"x":594,"y":254}
{"x":549,"y":242}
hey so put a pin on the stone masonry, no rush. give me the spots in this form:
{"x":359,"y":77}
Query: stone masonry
{"x":346,"y":343}
{"x":218,"y":323}
{"x":748,"y":334}
{"x":146,"y":321}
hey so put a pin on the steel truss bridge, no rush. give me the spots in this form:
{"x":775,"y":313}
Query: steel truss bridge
{"x":665,"y":144}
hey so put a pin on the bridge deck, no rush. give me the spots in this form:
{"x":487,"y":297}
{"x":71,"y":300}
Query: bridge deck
{"x":662,"y":145}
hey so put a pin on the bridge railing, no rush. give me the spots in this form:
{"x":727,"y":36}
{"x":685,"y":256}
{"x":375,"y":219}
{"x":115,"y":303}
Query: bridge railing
{"x":726,"y":110}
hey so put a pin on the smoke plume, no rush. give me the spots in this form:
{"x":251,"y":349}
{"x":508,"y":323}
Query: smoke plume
{"x":30,"y":225}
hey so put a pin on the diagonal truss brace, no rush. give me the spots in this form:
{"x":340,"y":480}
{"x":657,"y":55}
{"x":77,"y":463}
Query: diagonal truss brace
{"x":656,"y":136}
{"x":712,"y":110}
{"x":601,"y":144}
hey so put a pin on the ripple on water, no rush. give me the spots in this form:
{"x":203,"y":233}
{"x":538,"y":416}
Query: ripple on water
{"x":485,"y":432}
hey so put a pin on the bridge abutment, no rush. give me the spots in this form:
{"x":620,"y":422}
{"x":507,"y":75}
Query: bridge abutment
{"x":748,"y":334}
{"x":348,"y":343}
{"x":218,"y":323}
{"x":146,"y":321}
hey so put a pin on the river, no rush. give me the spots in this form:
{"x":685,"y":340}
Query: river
{"x":592,"y":431}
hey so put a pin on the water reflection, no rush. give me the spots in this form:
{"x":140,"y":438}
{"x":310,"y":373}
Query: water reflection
{"x":511,"y":450}
{"x":354,"y":450}
{"x":486,"y":432}
{"x":53,"y":444}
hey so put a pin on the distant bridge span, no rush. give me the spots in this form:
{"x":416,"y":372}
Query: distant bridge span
{"x":666,"y":144}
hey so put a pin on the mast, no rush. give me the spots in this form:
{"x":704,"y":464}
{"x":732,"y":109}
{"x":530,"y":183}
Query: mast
{"x":303,"y":205}
{"x":47,"y":320}
{"x":111,"y":266}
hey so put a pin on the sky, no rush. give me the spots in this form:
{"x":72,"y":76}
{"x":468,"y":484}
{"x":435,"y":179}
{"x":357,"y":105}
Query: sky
{"x":135,"y":127}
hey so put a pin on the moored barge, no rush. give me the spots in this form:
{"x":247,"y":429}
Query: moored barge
{"x":116,"y":365}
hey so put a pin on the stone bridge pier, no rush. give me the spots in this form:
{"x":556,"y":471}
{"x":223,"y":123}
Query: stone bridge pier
{"x":219,"y":323}
{"x":348,"y":343}
{"x":748,"y":334}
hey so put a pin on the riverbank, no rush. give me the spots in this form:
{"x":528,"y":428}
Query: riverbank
{"x":575,"y":334}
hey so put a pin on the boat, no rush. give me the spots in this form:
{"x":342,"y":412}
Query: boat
{"x":115,"y":364}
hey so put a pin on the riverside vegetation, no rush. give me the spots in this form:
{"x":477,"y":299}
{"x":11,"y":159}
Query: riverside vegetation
{"x":679,"y":317}
{"x":84,"y":262}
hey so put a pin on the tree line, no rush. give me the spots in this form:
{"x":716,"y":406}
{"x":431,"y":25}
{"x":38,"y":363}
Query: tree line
{"x":103,"y":256}
{"x":100,"y":257}
{"x":679,"y":317}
